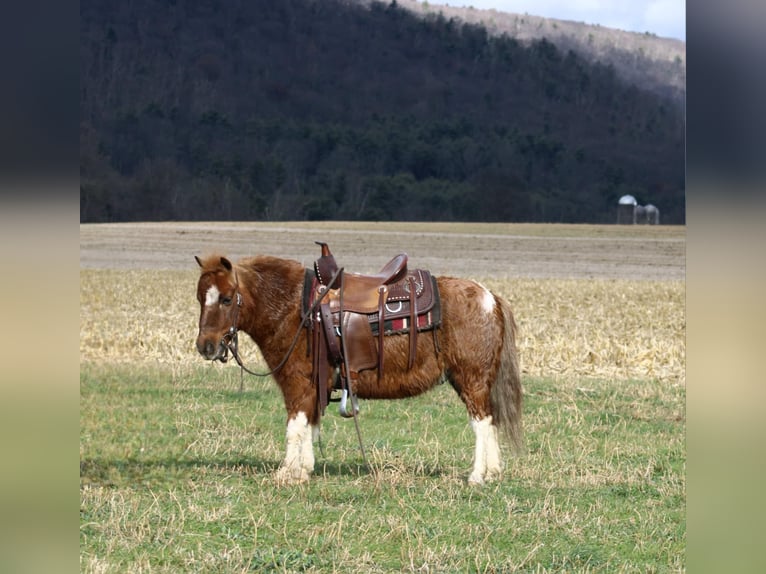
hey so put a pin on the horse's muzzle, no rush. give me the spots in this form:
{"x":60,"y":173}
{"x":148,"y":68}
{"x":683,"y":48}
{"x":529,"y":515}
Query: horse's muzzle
{"x":212,"y":351}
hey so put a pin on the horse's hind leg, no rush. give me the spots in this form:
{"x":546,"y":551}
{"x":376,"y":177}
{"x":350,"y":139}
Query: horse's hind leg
{"x":487,"y":465}
{"x":474,"y":392}
{"x":472,"y":366}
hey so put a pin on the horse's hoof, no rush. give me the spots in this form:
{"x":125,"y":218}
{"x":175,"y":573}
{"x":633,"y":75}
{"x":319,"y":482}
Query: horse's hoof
{"x":475,"y":479}
{"x":287,"y":476}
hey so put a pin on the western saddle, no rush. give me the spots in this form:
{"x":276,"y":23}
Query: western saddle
{"x":350,"y":311}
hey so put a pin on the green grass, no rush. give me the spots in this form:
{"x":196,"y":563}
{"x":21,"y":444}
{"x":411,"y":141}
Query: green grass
{"x":176,"y":476}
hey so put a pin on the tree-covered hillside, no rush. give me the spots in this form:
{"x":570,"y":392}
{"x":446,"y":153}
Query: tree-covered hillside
{"x":315,"y":109}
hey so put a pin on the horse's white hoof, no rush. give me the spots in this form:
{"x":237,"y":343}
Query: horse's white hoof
{"x":286,"y":476}
{"x":475,"y":479}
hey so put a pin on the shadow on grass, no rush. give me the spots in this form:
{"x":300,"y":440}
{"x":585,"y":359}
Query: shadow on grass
{"x":120,"y":472}
{"x":132,"y":471}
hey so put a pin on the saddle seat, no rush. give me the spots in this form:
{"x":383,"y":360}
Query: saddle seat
{"x":361,"y":293}
{"x":391,"y":272}
{"x":325,"y":269}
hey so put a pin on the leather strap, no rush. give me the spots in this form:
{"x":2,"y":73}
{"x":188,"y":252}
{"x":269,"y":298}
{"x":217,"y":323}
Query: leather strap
{"x":329,"y":333}
{"x":382,"y":292}
{"x":319,"y":370}
{"x":413,"y":322}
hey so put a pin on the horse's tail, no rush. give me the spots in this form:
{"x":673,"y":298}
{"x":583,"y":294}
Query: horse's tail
{"x":506,"y":392}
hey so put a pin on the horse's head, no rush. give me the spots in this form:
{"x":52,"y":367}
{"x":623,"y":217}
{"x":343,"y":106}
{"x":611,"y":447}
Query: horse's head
{"x":219,"y":299}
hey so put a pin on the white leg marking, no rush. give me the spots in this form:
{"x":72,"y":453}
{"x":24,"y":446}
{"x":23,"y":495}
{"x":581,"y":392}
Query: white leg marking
{"x":299,"y":452}
{"x":494,"y":463}
{"x":307,"y":450}
{"x":481,"y":428}
{"x":487,"y":300}
{"x":486,"y":463}
{"x":212,"y":295}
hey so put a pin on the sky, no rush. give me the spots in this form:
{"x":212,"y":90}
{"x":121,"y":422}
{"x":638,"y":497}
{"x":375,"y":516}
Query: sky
{"x":665,"y":18}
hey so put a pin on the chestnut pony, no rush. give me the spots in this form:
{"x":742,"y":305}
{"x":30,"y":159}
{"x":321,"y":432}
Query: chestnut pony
{"x":475,"y":350}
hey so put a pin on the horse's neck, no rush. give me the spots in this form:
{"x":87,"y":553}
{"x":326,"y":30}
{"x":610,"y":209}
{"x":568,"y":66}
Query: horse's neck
{"x":272,"y":290}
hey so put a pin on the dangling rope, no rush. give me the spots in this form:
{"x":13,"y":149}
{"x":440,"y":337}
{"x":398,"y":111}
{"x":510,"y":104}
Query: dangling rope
{"x":345,"y":381}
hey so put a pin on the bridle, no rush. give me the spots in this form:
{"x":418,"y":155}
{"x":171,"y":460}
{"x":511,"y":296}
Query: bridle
{"x":229,"y":341}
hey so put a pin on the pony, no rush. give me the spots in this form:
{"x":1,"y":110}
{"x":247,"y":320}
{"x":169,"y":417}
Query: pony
{"x":474,"y":350}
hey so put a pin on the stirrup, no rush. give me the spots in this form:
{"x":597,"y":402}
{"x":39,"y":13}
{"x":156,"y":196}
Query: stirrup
{"x":343,"y":405}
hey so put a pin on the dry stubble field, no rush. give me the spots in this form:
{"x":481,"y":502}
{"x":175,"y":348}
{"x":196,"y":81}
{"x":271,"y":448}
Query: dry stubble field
{"x":603,"y":301}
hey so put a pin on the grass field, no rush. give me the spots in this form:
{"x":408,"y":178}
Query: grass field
{"x":176,"y":465}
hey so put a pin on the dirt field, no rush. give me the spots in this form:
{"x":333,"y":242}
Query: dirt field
{"x":467,"y":250}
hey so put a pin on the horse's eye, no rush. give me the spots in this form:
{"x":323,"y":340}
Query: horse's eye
{"x":226,"y":300}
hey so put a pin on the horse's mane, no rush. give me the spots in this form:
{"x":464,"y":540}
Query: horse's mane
{"x":263,"y":263}
{"x":211,"y":263}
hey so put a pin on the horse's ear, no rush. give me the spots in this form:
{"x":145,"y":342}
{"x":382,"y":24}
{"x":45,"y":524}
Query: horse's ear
{"x":198,"y":261}
{"x":226,"y":263}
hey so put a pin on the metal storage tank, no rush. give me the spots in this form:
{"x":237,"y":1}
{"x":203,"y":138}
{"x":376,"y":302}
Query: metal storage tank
{"x":626,"y":209}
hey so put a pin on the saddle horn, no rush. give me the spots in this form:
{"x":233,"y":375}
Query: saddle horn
{"x":325,"y":266}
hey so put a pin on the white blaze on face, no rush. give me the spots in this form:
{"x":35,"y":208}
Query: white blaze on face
{"x":212,"y":295}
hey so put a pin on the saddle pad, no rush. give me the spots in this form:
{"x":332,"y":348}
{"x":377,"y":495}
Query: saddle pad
{"x":398,"y":317}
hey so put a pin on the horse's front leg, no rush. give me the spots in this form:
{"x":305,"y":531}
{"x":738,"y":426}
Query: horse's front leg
{"x":298,"y":463}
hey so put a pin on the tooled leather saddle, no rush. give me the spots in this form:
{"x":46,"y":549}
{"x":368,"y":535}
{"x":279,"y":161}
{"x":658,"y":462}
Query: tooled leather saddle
{"x":352,"y":313}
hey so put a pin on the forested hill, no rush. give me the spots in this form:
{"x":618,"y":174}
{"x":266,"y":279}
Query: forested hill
{"x":316,"y":109}
{"x":655,"y":63}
